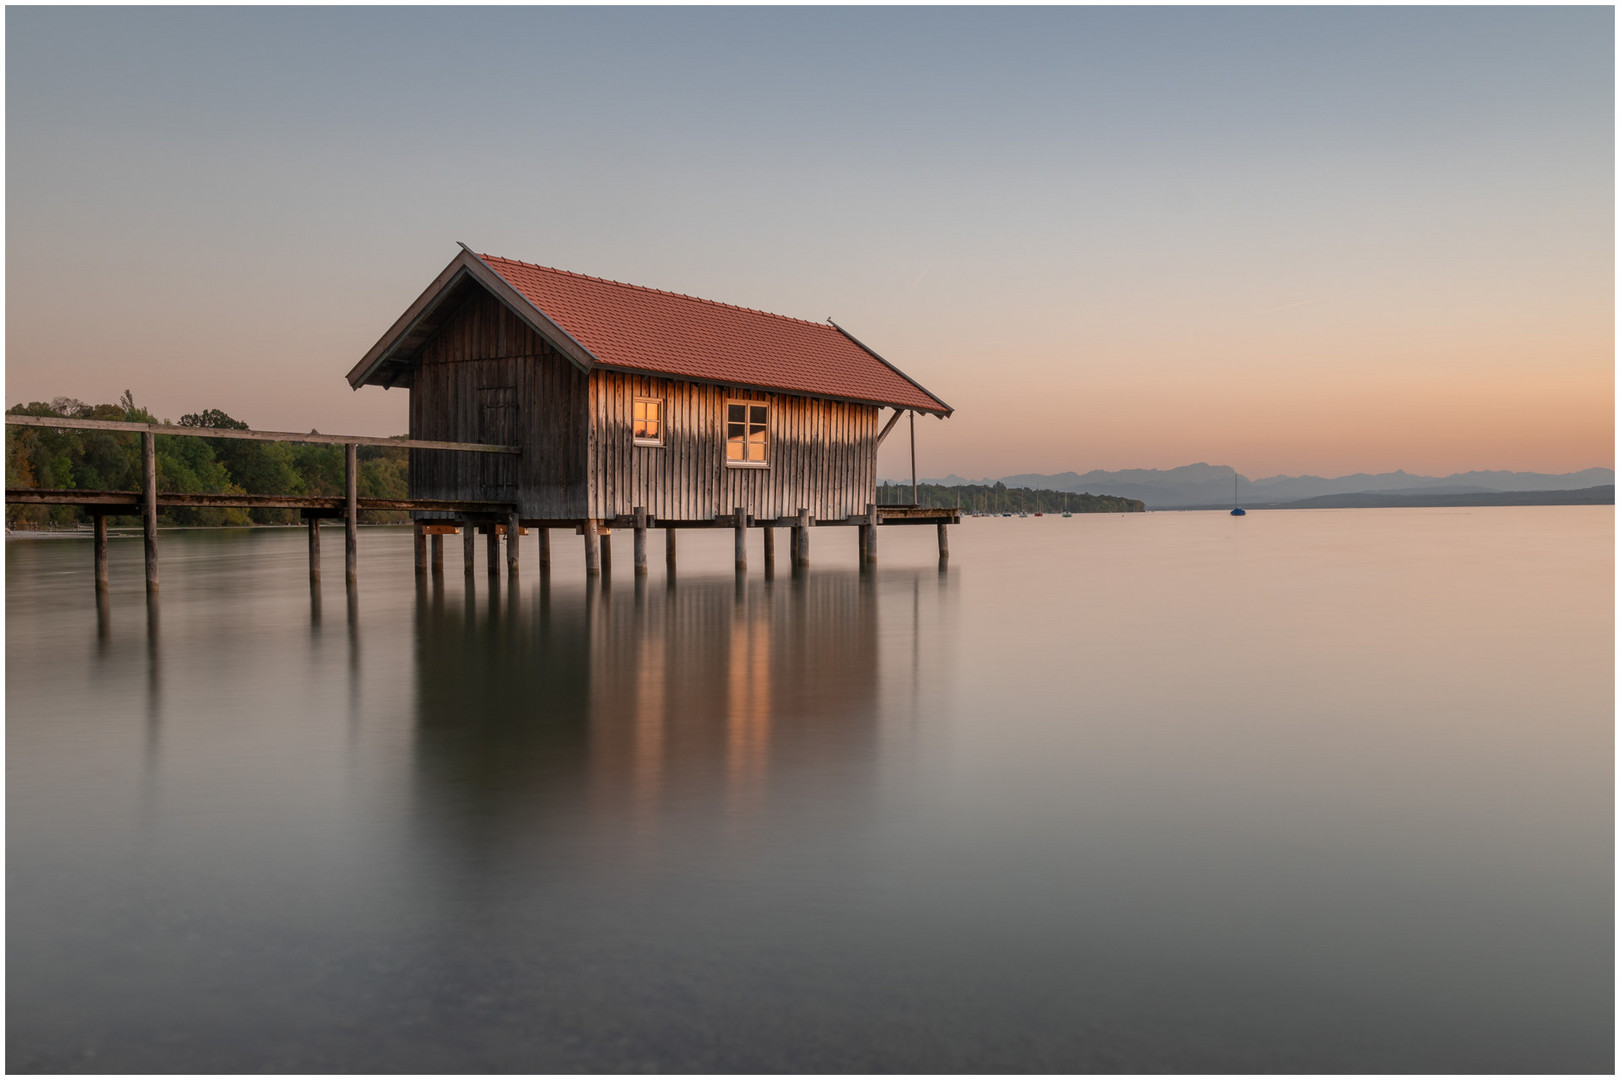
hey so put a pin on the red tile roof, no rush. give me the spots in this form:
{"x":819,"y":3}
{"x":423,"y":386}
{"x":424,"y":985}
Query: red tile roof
{"x":664,"y":333}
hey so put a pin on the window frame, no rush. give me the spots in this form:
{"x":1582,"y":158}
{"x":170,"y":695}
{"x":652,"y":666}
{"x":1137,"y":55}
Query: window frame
{"x":637,"y":440}
{"x":725,"y":439}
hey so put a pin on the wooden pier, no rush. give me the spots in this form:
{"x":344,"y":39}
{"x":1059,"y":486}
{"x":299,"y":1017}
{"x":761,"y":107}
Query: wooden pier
{"x":493,"y":518}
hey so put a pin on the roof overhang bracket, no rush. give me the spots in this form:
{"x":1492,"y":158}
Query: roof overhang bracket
{"x":893,"y":420}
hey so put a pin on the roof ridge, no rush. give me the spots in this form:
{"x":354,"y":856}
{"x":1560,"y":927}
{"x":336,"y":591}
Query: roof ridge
{"x":660,"y":292}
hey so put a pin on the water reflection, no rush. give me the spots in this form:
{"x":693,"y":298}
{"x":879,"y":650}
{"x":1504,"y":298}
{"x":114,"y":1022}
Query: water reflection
{"x":645,"y":699}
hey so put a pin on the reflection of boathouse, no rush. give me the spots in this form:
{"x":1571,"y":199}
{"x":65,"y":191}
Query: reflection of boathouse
{"x":631,"y":692}
{"x":624,"y":399}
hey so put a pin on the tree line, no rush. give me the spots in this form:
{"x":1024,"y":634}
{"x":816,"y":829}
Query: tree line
{"x":111,"y":461}
{"x":998,"y":497}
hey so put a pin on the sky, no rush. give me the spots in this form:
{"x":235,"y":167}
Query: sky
{"x":1290,"y":240}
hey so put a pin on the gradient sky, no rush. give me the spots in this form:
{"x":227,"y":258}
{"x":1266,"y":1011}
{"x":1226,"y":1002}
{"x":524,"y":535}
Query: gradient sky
{"x":1290,"y":240}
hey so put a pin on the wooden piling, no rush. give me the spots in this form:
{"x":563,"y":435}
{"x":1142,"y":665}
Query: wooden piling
{"x":314,"y":524}
{"x":101,"y":553}
{"x":593,"y":550}
{"x":869,"y":551}
{"x":742,"y":540}
{"x":641,"y":541}
{"x":799,"y":542}
{"x":669,"y":550}
{"x":770,"y":548}
{"x":351,"y":514}
{"x":513,"y":531}
{"x":606,"y":537}
{"x":492,"y":551}
{"x":544,"y":544}
{"x":469,"y":545}
{"x":419,"y":543}
{"x":149,"y":509}
{"x":944,"y":544}
{"x":436,"y":542}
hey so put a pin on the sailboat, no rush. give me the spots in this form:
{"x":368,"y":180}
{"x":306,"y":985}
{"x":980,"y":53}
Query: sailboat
{"x":1237,"y":511}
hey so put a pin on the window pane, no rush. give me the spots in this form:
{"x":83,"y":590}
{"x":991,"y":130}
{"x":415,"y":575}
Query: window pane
{"x":654,"y":408}
{"x":757,"y":414}
{"x":734,"y":449}
{"x":640,"y":411}
{"x":652,"y":429}
{"x":640,"y":428}
{"x":736,"y":413}
{"x":756,"y":445}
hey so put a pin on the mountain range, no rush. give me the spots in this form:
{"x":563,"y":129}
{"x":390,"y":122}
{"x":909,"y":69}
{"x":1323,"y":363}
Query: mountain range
{"x":1218,"y":485}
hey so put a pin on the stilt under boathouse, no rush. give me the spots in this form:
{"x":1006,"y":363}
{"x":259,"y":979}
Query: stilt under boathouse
{"x":633,"y":408}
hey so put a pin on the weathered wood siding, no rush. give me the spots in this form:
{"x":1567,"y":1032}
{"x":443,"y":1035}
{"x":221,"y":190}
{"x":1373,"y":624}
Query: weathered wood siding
{"x":485,"y":376}
{"x":822,"y":454}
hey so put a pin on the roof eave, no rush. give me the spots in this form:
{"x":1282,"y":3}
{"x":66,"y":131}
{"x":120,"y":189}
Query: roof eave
{"x":943,"y":411}
{"x":468,"y":264}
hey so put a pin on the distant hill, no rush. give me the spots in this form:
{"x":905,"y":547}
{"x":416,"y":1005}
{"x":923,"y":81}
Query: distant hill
{"x":1213,"y":485}
{"x":1603,"y":494}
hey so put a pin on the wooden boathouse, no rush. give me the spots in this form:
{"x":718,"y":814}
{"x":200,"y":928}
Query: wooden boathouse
{"x":633,"y":407}
{"x":543,"y":399}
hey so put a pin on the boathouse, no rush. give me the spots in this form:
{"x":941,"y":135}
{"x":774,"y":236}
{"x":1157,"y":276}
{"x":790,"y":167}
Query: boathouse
{"x":630,"y":404}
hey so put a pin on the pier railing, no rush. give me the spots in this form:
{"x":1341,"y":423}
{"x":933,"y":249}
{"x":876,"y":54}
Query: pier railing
{"x":149,"y":500}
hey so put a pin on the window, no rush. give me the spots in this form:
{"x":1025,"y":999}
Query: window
{"x":648,"y":421}
{"x":745,"y":433}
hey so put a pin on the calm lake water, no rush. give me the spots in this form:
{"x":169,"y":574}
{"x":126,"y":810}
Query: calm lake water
{"x":1302,"y":791}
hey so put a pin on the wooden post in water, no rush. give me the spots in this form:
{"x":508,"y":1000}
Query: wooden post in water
{"x":492,"y":551}
{"x":351,"y":514}
{"x":543,"y":539}
{"x":437,"y":544}
{"x":944,"y":544}
{"x":641,"y":541}
{"x":314,"y":524}
{"x":593,"y":550}
{"x":149,"y":506}
{"x":101,"y":552}
{"x":741,"y":527}
{"x":869,"y":551}
{"x":770,"y":548}
{"x":669,"y":550}
{"x":606,"y":537}
{"x":469,"y":545}
{"x":513,"y":531}
{"x":799,"y":541}
{"x":419,"y":543}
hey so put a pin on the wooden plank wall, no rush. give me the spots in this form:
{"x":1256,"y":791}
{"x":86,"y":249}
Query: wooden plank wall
{"x":485,"y":376}
{"x":822,"y":454}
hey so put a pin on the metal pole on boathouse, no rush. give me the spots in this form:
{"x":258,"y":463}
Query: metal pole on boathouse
{"x":149,"y":506}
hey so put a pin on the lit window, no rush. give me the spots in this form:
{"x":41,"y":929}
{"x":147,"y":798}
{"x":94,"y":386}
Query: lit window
{"x":648,"y":426}
{"x":745,"y":433}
